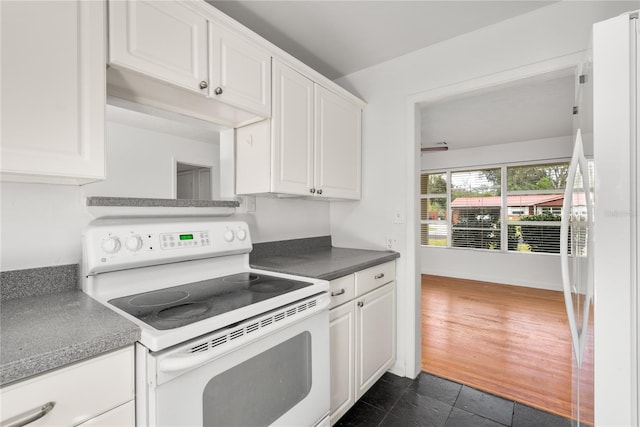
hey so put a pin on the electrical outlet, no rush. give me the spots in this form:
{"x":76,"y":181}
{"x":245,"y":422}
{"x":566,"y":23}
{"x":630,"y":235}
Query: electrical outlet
{"x":247,"y":204}
{"x":251,"y":203}
{"x":390,"y":243}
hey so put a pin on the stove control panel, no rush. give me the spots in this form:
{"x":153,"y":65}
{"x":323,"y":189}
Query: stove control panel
{"x":184,"y":239}
{"x":111,"y":245}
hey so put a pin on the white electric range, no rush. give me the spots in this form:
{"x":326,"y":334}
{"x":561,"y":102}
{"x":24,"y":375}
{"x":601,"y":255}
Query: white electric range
{"x":221,"y":343}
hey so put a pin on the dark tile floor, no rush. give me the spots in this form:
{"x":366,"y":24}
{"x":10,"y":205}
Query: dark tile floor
{"x":432,"y":401}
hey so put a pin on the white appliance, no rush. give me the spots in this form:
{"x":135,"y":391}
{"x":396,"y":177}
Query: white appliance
{"x":599,"y":232}
{"x":221,"y":344}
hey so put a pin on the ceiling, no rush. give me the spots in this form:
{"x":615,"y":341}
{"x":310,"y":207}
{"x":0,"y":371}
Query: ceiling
{"x":337,"y":38}
{"x":531,"y":109}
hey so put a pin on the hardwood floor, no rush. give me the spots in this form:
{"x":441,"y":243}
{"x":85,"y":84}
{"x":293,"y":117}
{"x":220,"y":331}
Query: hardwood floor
{"x":507,"y":340}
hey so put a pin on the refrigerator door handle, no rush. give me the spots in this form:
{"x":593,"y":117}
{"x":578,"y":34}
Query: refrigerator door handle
{"x":564,"y":241}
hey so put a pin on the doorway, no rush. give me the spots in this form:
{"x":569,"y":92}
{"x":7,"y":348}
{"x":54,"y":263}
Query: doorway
{"x":463,"y":263}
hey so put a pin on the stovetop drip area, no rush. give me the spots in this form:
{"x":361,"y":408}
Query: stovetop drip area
{"x":182,"y":305}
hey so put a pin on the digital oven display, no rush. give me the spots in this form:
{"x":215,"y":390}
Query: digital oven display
{"x":186,"y":237}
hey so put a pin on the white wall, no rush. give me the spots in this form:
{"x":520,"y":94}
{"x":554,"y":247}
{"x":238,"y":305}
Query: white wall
{"x":522,"y":269}
{"x":389,"y":164}
{"x":142,"y":162}
{"x":42,"y":224}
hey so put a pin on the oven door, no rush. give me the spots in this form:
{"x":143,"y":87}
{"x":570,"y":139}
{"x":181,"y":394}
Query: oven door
{"x":278,"y":376}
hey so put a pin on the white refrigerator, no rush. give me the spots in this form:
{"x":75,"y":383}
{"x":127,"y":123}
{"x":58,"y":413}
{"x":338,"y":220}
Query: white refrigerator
{"x":600,"y":230}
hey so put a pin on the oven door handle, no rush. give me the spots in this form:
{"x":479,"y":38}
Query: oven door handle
{"x":181,"y":362}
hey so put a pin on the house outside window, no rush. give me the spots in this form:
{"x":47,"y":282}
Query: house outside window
{"x":529,"y":201}
{"x":476,"y":209}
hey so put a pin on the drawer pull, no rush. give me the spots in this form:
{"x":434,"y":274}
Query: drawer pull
{"x":28,"y":418}
{"x":360,"y":304}
{"x":378,"y":276}
{"x":340,"y":292}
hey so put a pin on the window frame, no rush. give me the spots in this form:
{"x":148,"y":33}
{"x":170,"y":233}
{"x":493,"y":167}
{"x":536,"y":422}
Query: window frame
{"x":446,"y":221}
{"x":504,"y":221}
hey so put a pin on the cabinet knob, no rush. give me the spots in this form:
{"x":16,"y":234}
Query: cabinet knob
{"x":312,"y":190}
{"x":319,"y":191}
{"x":360,"y":304}
{"x":203,"y":85}
{"x":218,"y":90}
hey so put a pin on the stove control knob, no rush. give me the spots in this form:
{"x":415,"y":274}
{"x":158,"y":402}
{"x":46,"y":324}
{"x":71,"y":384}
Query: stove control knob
{"x":133,"y":243}
{"x":229,"y":236}
{"x":242,"y":234}
{"x":111,"y":245}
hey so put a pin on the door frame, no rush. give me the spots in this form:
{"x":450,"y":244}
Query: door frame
{"x":413,"y":105}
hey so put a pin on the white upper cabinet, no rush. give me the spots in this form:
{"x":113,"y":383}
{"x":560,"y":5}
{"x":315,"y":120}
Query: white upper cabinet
{"x":53,"y":95}
{"x":227,"y":75}
{"x":292,"y":123}
{"x":315,"y":142}
{"x":337,"y":146}
{"x":240,"y":71}
{"x":162,"y":39}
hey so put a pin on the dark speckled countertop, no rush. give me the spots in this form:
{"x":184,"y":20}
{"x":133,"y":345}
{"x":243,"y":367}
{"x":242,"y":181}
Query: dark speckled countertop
{"x":41,"y":331}
{"x":315,"y":257}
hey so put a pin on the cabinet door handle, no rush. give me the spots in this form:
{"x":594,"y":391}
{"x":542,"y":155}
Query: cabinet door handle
{"x":378,"y":276}
{"x":320,"y":191}
{"x":312,"y":190}
{"x":30,"y":417}
{"x":360,"y":304}
{"x":218,"y":90}
{"x":204,"y":85}
{"x":340,"y":292}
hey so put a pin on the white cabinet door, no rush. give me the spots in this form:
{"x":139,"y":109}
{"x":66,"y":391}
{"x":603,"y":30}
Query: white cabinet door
{"x":376,"y":335}
{"x":240,"y":71}
{"x":337,"y":146}
{"x":292,"y":121}
{"x":53,"y":95}
{"x":342,"y":333}
{"x":162,"y":39}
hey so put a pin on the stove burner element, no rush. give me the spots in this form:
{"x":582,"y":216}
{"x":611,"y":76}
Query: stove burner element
{"x":183,"y":311}
{"x":158,"y":298}
{"x":241,"y":278}
{"x":271,"y":286}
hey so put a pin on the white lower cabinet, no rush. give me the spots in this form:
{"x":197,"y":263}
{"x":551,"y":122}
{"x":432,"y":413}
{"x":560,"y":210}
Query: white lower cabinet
{"x":96,"y":392}
{"x":363,"y":333}
{"x":376,"y":333}
{"x":342,"y":322}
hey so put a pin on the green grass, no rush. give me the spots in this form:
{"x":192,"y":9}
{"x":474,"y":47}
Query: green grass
{"x":437,"y":242}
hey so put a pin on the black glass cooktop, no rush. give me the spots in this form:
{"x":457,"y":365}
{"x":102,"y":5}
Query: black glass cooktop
{"x":178,"y":306}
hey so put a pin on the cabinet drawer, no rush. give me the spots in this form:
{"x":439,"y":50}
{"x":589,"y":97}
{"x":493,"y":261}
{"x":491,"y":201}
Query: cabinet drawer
{"x":342,"y":290}
{"x":374,"y":277}
{"x":79,"y":392}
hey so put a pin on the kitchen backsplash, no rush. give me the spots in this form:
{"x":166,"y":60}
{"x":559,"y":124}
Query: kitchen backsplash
{"x":38,"y":281}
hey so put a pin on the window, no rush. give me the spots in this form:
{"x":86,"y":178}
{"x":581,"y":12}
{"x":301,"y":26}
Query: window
{"x":433,"y":209}
{"x":475,"y":209}
{"x":540,"y":190}
{"x":466,"y":209}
